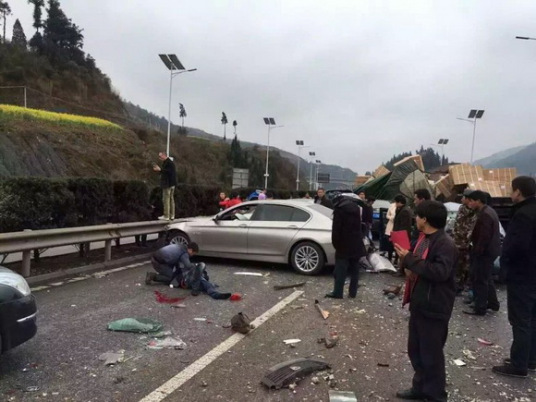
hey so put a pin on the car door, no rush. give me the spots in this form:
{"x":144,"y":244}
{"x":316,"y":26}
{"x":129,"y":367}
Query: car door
{"x":272,"y":228}
{"x":226,"y":235}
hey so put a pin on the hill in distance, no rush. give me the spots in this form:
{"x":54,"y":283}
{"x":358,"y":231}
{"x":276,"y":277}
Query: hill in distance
{"x":522,"y":158}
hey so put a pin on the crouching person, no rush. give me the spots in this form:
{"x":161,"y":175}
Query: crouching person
{"x":166,"y":262}
{"x":430,"y":290}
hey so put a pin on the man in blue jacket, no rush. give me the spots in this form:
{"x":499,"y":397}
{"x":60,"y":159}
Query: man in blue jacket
{"x":430,"y":291}
{"x":518,"y":258}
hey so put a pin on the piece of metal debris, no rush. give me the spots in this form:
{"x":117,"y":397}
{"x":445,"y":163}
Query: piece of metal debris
{"x":459,"y":363}
{"x":293,"y":285}
{"x":324,"y":313}
{"x":248,"y":273}
{"x":291,"y":341}
{"x":342,"y":396}
{"x":292,"y":371}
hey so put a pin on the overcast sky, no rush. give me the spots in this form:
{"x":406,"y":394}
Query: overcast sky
{"x":356,"y":80}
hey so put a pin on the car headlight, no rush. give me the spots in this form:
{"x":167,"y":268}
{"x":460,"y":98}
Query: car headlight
{"x":14,"y":280}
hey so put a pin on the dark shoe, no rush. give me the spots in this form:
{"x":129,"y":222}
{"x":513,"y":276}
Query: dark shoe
{"x":410,"y":394}
{"x":474,"y":312}
{"x":332,"y":295}
{"x":195,"y":292}
{"x":494,"y":308}
{"x":221,"y":296}
{"x":509,"y":371}
{"x":149,"y":278}
{"x":532,"y":366}
{"x":352,"y":296}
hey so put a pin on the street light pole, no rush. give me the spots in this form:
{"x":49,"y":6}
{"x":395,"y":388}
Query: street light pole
{"x":270,"y":122}
{"x":175,"y":68}
{"x":317,"y":164}
{"x":311,"y":155}
{"x":300,"y":145}
{"x":474,"y":114}
{"x":525,"y":38}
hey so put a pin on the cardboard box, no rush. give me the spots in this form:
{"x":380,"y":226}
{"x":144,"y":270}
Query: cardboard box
{"x":359,"y":180}
{"x":417,"y":159}
{"x":503,"y":175}
{"x":466,"y":173}
{"x":494,"y":188}
{"x":381,"y":171}
{"x":444,"y":187}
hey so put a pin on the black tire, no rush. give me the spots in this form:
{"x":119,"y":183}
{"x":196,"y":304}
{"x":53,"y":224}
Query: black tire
{"x":178,"y":237}
{"x":307,"y":258}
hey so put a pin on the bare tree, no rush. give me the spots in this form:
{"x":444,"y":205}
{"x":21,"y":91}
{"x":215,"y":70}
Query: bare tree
{"x":224,"y":122}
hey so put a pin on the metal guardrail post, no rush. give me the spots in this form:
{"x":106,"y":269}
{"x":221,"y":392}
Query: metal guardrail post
{"x":107,"y":250}
{"x":26,"y":259}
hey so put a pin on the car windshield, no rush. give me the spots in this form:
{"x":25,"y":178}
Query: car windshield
{"x":322,"y":209}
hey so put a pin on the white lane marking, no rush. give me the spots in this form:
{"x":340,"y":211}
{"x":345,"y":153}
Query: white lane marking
{"x":99,"y":274}
{"x":189,"y":372}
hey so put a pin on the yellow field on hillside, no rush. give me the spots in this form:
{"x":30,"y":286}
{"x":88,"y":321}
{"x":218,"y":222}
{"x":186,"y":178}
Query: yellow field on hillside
{"x":59,"y":118}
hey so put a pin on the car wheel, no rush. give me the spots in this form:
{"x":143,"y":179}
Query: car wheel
{"x":179,"y":238}
{"x":307,"y":258}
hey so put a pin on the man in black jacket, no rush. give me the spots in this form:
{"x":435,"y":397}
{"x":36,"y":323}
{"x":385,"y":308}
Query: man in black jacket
{"x":347,"y":240}
{"x":321,"y":198}
{"x":168,"y":181}
{"x":403,"y":221}
{"x":430,"y":290}
{"x":518,"y":258}
{"x":486,"y":247}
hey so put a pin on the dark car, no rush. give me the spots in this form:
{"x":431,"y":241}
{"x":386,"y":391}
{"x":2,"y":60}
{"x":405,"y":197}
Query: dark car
{"x":18,"y":310}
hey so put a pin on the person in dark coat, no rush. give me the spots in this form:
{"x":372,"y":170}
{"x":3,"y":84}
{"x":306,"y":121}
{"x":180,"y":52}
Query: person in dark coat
{"x":486,"y":247}
{"x":403,"y":221}
{"x":168,"y":181}
{"x":518,"y":258}
{"x":347,"y":239}
{"x":430,"y":291}
{"x":321,"y":198}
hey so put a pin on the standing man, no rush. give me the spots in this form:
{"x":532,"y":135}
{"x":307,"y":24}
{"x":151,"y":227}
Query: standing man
{"x":461,"y":233}
{"x":419,"y":196}
{"x":347,"y":240}
{"x":403,"y":221}
{"x":168,"y":181}
{"x":322,"y":199}
{"x":486,"y":247}
{"x":430,"y":291}
{"x":519,"y":259}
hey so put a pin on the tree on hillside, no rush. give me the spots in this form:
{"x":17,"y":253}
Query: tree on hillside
{"x":224,"y":122}
{"x":182,"y":113}
{"x":38,"y":13}
{"x":236,"y":157}
{"x":62,"y":40}
{"x":5,"y":10}
{"x":18,"y":38}
{"x":234,"y":127}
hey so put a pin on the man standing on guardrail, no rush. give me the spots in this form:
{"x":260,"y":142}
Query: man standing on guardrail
{"x":168,"y":181}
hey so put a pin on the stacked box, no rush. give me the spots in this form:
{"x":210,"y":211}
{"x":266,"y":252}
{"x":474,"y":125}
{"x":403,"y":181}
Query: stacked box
{"x":445,"y":187}
{"x":417,"y":159}
{"x":492,"y":187}
{"x":359,"y":180}
{"x":381,"y":171}
{"x":466,"y":173}
{"x":503,"y":175}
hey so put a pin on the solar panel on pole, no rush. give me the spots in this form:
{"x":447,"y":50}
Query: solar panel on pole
{"x":479,"y":114}
{"x":272,"y":121}
{"x":166,"y":61}
{"x":266,"y":120}
{"x":472,"y":113}
{"x":445,"y":141}
{"x":178,"y":65}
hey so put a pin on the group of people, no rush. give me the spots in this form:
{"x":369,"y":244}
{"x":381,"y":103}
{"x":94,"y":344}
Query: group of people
{"x":437,"y":265}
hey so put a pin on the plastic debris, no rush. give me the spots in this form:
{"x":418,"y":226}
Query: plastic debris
{"x":291,"y":341}
{"x":200,"y":319}
{"x":248,"y":273}
{"x":168,"y":342}
{"x":342,"y":396}
{"x":289,"y":286}
{"x":178,"y":306}
{"x":459,"y":363}
{"x":161,"y":334}
{"x":291,"y":372}
{"x":138,"y":325}
{"x":361,"y":311}
{"x":162,"y":298}
{"x":32,"y":388}
{"x":467,"y":353}
{"x":323,"y":313}
{"x":484,"y":342}
{"x":112,"y":358}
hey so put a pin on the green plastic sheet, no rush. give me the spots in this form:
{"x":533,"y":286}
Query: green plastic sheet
{"x":138,"y":325}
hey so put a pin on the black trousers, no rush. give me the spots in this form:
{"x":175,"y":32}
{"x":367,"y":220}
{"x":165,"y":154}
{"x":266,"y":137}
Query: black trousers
{"x":426,"y":340}
{"x":343,"y":267}
{"x":164,"y":272}
{"x":483,"y":287}
{"x":522,"y":316}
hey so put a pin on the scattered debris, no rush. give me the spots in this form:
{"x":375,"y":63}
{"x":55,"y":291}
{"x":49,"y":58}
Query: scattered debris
{"x":315,"y":380}
{"x":324,"y":313}
{"x":178,"y":306}
{"x":291,"y":341}
{"x":330,"y":341}
{"x":32,"y":388}
{"x":361,"y":311}
{"x":295,"y":285}
{"x":112,"y":358}
{"x":383,"y":364}
{"x":467,"y":353}
{"x":342,"y":396}
{"x":204,"y":384}
{"x":484,"y":342}
{"x":395,"y":289}
{"x":162,"y":298}
{"x":200,"y":319}
{"x":161,"y":334}
{"x":248,"y":273}
{"x":459,"y":363}
{"x":139,"y":325}
{"x":292,"y":371}
{"x":168,"y":342}
{"x":119,"y":380}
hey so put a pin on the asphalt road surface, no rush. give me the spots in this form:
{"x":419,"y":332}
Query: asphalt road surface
{"x":62,"y":362}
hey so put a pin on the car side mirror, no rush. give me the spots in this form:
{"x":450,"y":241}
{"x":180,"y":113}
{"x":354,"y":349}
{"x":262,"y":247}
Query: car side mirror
{"x":216,"y":218}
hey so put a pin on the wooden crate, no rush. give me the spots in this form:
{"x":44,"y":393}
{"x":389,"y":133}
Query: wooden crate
{"x":503,"y":175}
{"x":416,"y":158}
{"x":359,"y":180}
{"x":381,"y":171}
{"x":465,"y":173}
{"x":445,"y":187}
{"x":494,"y":188}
